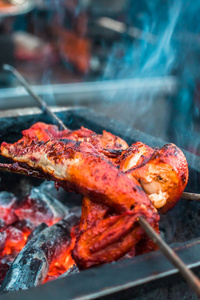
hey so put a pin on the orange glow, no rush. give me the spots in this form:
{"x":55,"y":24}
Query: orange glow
{"x":64,"y":262}
{"x":14,"y":244}
{"x":16,"y":240}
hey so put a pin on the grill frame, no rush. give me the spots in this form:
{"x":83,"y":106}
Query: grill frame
{"x":105,"y":279}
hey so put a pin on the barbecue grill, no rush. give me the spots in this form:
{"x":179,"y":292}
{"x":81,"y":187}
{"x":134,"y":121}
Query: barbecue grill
{"x":149,"y":275}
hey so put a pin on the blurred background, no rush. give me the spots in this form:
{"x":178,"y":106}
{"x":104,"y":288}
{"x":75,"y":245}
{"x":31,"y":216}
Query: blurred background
{"x":134,"y":61}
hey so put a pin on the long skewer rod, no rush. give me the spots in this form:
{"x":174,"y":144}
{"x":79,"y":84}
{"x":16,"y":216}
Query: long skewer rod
{"x":189,"y":276}
{"x":40,"y":102}
{"x":190,"y":196}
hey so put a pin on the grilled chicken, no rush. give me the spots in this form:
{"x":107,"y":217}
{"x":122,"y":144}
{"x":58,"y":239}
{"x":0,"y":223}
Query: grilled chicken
{"x":107,"y":144}
{"x":134,"y":156}
{"x":78,"y":166}
{"x":163,"y":174}
{"x":109,"y":240}
{"x":92,"y":213}
{"x":105,"y":171}
{"x":164,"y":179}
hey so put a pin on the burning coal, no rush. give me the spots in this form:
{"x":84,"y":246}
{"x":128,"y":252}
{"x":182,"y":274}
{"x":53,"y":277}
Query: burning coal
{"x":32,"y":251}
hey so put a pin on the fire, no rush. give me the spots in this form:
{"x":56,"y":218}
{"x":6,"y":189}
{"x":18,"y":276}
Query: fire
{"x":15,"y":240}
{"x":58,"y":267}
{"x":18,"y":219}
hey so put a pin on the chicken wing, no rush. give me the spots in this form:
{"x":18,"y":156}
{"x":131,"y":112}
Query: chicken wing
{"x":110,"y":239}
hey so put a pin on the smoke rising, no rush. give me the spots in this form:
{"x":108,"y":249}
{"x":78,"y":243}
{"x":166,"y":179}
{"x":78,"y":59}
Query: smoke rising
{"x":173,"y":52}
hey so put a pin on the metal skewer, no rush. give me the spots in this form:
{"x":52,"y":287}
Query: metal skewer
{"x":190,"y":196}
{"x":189,"y":276}
{"x":40,"y":102}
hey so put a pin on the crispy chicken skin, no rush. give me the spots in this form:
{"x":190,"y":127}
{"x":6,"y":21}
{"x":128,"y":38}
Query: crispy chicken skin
{"x":163,"y":177}
{"x":92,"y":213}
{"x":106,"y":172}
{"x":108,"y":144}
{"x":134,"y":156}
{"x":109,"y":240}
{"x":79,"y":167}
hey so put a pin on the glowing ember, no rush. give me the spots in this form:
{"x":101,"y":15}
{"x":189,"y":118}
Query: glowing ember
{"x":7,"y":205}
{"x":19,"y":219}
{"x":59,"y":267}
{"x":40,"y":207}
{"x":65,"y":262}
{"x":15,"y":240}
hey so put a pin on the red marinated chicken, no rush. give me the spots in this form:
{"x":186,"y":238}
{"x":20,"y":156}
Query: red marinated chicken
{"x":78,"y":166}
{"x":136,"y":161}
{"x":105,"y":171}
{"x":163,"y":173}
{"x":107,"y":144}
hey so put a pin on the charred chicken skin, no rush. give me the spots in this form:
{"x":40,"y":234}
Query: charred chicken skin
{"x":109,"y":240}
{"x":164,"y":179}
{"x":106,"y":172}
{"x":163,"y":173}
{"x":134,"y":156}
{"x":78,"y":166}
{"x":107,"y":144}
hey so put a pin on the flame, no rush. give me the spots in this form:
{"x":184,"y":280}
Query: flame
{"x":64,"y":262}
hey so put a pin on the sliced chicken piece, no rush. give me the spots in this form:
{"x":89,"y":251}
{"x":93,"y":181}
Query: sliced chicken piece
{"x":163,"y":177}
{"x":134,"y":156}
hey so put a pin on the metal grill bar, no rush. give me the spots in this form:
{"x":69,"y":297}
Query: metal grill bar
{"x":190,"y":196}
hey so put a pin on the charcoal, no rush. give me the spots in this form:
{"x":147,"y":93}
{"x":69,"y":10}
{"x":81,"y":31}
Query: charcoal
{"x":48,"y":188}
{"x":37,"y":230}
{"x":25,"y":226}
{"x":73,"y":270}
{"x":14,"y":239}
{"x":2,"y":224}
{"x":2,"y":241}
{"x":32,"y":264}
{"x":7,"y":205}
{"x":3,"y":270}
{"x":41,"y":207}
